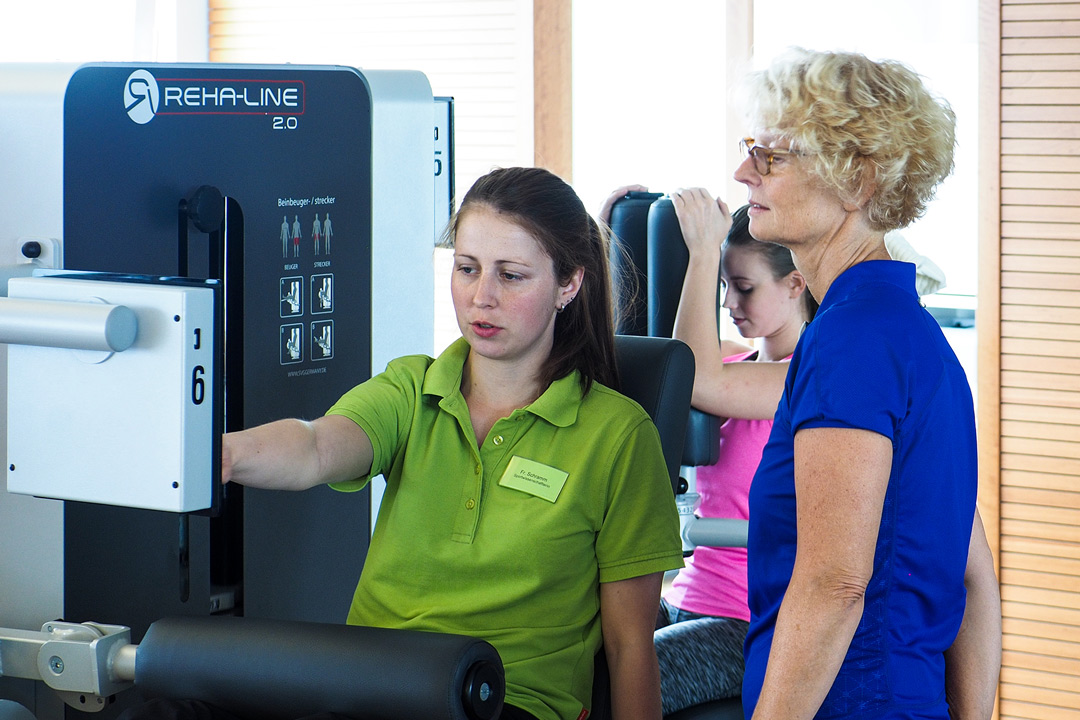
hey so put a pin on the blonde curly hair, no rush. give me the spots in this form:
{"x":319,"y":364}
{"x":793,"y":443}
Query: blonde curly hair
{"x":862,"y":124}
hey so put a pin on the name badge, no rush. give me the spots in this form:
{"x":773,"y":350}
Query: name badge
{"x":534,"y":478}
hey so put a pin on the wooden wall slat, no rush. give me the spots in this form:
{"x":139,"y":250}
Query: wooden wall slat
{"x":1037,"y":46}
{"x":1042,"y":663}
{"x":1040,"y":96}
{"x":1038,"y":113}
{"x":1006,"y":3}
{"x":1040,"y":11}
{"x":1051,"y":280}
{"x":1040,"y":348}
{"x":1049,"y":515}
{"x":1065,"y":28}
{"x":1039,"y":330}
{"x":1040,"y":197}
{"x":1028,"y":313}
{"x":1041,"y":130}
{"x":1041,"y":231}
{"x":1026,"y":213}
{"x":1036,"y":596}
{"x":1050,"y":63}
{"x":1052,"y":181}
{"x":1041,"y":612}
{"x":1056,"y":449}
{"x":1027,"y":296}
{"x":1039,"y":530}
{"x":1040,"y":496}
{"x":1032,"y":163}
{"x":1035,"y":678}
{"x":1032,"y":547}
{"x":1037,"y":263}
{"x":1043,"y":431}
{"x":1060,"y":466}
{"x":1058,"y":566}
{"x":1042,"y":646}
{"x":1043,"y":696}
{"x":1029,"y":711}
{"x":1066,"y":397}
{"x":1041,"y":381}
{"x":1043,"y":630}
{"x":1051,"y":148}
{"x":1048,"y":481}
{"x":1039,"y":247}
{"x":1040,"y":79}
{"x":1065,"y":416}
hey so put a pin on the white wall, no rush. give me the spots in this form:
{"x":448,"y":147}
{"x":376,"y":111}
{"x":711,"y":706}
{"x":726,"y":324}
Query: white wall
{"x":31,"y":205}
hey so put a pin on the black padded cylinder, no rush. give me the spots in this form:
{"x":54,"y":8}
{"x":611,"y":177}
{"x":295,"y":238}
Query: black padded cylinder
{"x":667,"y":260}
{"x":277,"y":669}
{"x":629,"y":222}
{"x":665,"y":267}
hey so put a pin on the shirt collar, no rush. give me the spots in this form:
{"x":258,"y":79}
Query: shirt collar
{"x":891,"y":272}
{"x":558,"y":404}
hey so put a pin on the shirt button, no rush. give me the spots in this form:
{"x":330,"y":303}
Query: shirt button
{"x":498,"y":440}
{"x":470,"y":504}
{"x":478,"y":469}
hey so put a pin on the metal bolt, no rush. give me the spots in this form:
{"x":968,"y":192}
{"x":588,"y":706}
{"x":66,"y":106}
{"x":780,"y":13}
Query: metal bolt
{"x":485,"y":692}
{"x":56,"y":664}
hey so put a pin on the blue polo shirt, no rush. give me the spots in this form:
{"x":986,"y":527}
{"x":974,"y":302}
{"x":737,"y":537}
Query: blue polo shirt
{"x":874,"y":359}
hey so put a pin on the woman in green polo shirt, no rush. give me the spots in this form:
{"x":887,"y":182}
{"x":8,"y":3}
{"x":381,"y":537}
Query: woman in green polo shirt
{"x":527,"y":502}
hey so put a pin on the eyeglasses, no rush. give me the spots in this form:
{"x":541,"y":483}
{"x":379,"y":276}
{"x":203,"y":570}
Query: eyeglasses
{"x":763,"y":156}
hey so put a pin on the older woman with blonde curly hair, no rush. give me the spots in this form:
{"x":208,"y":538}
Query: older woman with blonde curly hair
{"x":871,"y":584}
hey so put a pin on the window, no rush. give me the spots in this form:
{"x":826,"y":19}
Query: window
{"x":110,"y":30}
{"x":650,"y":97}
{"x":939,"y":41}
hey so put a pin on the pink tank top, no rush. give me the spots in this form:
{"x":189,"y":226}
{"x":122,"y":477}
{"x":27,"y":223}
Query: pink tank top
{"x":713,"y":582}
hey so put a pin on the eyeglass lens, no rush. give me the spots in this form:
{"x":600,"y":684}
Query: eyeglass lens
{"x":762,"y":156}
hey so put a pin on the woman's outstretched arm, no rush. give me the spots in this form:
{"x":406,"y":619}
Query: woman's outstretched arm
{"x":296,"y":454}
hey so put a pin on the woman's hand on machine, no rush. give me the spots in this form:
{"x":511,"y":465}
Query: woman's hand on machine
{"x":616,"y":194}
{"x":704,"y":221}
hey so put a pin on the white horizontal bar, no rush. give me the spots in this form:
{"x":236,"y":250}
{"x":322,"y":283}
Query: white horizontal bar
{"x":63,"y":324}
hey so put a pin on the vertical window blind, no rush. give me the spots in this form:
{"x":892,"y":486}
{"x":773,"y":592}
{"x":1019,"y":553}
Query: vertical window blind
{"x":1040,"y":357}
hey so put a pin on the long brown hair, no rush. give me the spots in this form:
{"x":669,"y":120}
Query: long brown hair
{"x":549,"y":209}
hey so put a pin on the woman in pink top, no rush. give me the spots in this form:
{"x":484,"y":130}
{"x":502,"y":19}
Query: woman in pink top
{"x":704,"y":616}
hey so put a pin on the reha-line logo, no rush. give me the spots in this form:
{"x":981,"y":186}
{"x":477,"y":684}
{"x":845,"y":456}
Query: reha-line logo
{"x":144,"y":98}
{"x":141,"y":96}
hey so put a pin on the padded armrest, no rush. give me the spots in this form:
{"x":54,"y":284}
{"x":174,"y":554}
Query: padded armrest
{"x":277,"y":669}
{"x":658,"y":373}
{"x":702,"y":445}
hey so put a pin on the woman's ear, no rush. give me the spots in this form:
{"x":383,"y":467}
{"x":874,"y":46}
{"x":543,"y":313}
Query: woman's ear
{"x":570,"y":290}
{"x":796,"y":283}
{"x":867,"y":187}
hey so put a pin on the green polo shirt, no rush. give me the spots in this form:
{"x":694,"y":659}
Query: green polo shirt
{"x":510,"y":540}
